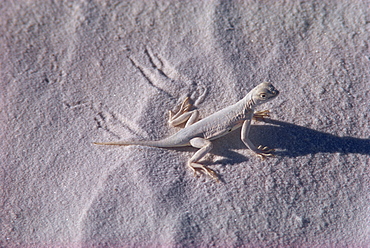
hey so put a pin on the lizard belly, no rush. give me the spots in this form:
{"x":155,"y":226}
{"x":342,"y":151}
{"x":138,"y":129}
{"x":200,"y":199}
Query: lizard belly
{"x":221,"y":131}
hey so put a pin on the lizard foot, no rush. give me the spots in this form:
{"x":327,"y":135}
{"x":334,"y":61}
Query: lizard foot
{"x":185,"y":107}
{"x":264,"y":152}
{"x":185,"y":114}
{"x":260,"y":115}
{"x":201,"y":168}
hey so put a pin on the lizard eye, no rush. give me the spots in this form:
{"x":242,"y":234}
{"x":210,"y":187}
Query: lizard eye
{"x":263,"y":95}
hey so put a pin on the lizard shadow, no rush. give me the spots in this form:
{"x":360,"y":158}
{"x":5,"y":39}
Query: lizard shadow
{"x":289,"y":140}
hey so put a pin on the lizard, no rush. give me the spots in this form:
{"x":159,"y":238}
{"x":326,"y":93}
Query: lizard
{"x":199,"y":134}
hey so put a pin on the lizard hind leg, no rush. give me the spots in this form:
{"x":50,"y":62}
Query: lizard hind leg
{"x":205,"y":147}
{"x":184,"y":114}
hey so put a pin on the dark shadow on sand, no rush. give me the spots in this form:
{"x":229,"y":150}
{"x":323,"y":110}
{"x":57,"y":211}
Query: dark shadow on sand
{"x":289,"y":140}
{"x":295,"y":141}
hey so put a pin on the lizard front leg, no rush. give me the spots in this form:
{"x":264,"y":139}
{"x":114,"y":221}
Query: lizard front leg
{"x":205,"y":146}
{"x":260,"y":115}
{"x":261,"y":151}
{"x":184,"y":114}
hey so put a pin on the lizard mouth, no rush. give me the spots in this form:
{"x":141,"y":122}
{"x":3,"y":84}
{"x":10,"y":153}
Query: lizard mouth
{"x":273,"y":91}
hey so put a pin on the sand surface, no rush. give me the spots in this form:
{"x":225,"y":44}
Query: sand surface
{"x":74,"y":72}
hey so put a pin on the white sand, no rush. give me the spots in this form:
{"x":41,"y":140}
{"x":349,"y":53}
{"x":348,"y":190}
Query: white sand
{"x":73,"y":73}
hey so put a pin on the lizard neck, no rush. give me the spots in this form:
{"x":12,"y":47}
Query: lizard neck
{"x":250,"y":104}
{"x":248,"y":101}
{"x":246,"y":105}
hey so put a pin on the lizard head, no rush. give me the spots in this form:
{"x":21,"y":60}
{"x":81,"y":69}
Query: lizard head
{"x":263,"y":93}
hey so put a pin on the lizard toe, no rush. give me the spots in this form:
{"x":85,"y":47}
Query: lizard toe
{"x":261,"y":115}
{"x":205,"y":170}
{"x":264,"y":152}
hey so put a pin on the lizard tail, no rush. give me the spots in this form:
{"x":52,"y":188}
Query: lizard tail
{"x":112,"y":143}
{"x":154,"y":143}
{"x":127,"y":143}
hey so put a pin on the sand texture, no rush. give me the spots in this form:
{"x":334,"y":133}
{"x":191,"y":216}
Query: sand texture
{"x":75,"y":72}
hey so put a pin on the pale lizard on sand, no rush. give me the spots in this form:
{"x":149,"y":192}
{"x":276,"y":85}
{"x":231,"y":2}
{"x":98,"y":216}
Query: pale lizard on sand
{"x":199,"y":134}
